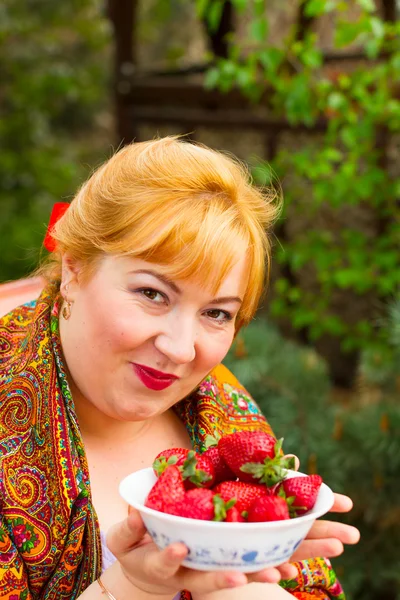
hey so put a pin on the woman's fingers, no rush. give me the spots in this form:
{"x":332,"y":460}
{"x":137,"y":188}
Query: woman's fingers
{"x":287,"y":571}
{"x":329,"y":548}
{"x":166,"y":563}
{"x":347,"y":534}
{"x":341,"y":503}
{"x":166,"y":566}
{"x":326,"y":538}
{"x":123,"y":536}
{"x":270,"y":575}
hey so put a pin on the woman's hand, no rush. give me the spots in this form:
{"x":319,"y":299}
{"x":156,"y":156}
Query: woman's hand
{"x":159,"y":572}
{"x":326,"y":538}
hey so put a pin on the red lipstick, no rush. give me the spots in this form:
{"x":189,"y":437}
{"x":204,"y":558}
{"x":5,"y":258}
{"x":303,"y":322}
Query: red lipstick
{"x":153,"y":379}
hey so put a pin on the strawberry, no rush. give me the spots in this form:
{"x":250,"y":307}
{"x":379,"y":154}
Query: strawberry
{"x":255,"y":456}
{"x":234,"y":516}
{"x":197,"y":470}
{"x":222,"y":471}
{"x":167,"y":491}
{"x":202,"y":504}
{"x":243,"y":493}
{"x":196,"y":504}
{"x":301,"y":493}
{"x":172,"y":456}
{"x":268,"y":508}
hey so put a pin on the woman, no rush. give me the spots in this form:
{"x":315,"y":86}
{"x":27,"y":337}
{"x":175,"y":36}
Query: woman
{"x":159,"y":260}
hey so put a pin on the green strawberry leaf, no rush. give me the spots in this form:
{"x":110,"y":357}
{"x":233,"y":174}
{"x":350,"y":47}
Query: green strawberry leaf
{"x":160,"y":464}
{"x":190,"y":471}
{"x":200,"y":478}
{"x":221,"y":507}
{"x":211,"y":440}
{"x":293,"y":509}
{"x":271,"y":471}
{"x":278,"y":447}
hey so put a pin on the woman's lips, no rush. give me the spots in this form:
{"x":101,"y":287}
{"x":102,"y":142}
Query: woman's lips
{"x":152,"y":379}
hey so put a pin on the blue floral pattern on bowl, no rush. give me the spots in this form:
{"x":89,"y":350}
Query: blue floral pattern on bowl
{"x":215,"y":556}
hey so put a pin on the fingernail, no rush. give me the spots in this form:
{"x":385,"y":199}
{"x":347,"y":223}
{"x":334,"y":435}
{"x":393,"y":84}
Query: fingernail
{"x":177,"y":552}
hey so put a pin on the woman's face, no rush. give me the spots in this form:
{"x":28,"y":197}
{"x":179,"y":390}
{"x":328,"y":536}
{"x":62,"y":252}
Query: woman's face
{"x":136,"y":342}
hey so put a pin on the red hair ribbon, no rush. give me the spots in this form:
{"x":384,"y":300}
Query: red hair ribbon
{"x":59,"y":209}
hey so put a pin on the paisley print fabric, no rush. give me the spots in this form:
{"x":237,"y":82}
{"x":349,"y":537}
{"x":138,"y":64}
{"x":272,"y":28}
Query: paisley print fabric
{"x":50,"y":546}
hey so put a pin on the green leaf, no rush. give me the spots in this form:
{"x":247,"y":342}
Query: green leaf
{"x":377,"y":27}
{"x":245,"y":77}
{"x":270,"y":59}
{"x":214,"y":14}
{"x":212,"y":78}
{"x":191,"y":472}
{"x":259,"y":30}
{"x":240,"y":5}
{"x":221,"y":507}
{"x":333,"y":154}
{"x":373,"y":48}
{"x":228,"y":68}
{"x":312,"y":58}
{"x":281,"y":285}
{"x":368,"y":5}
{"x":201,"y":8}
{"x":316,"y":8}
{"x":337,"y":101}
{"x":348,"y":31}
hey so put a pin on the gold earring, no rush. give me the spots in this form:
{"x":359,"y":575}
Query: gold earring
{"x":66,"y":311}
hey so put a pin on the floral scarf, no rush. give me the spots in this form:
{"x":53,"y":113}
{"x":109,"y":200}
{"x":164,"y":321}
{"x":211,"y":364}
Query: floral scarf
{"x":49,"y":534}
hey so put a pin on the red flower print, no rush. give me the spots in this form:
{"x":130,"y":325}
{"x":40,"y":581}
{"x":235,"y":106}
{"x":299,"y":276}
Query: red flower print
{"x":19,"y":529}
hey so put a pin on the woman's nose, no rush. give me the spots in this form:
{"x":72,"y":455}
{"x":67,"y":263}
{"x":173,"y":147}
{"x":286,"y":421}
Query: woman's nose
{"x":178,"y":343}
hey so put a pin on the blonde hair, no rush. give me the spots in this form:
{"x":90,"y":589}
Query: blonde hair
{"x":189,"y":208}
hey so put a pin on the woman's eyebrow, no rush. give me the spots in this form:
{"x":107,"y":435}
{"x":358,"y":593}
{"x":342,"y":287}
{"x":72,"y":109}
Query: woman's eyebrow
{"x":161,"y":277}
{"x":226,"y":299}
{"x":177,"y":290}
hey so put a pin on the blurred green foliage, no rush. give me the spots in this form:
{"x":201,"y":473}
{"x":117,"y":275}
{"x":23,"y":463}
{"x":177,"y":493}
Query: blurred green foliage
{"x":53,"y":83}
{"x":342,"y":168}
{"x":353,"y":442}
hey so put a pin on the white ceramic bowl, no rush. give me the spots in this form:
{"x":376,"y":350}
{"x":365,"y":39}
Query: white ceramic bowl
{"x":216,"y":546}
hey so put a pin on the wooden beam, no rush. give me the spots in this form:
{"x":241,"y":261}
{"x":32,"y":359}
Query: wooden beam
{"x":327,"y":57}
{"x":122,"y":14}
{"x":217,"y":119}
{"x":178,"y":91}
{"x":389,"y":9}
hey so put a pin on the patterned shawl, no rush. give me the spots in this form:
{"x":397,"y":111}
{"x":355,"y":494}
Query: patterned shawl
{"x":49,"y":534}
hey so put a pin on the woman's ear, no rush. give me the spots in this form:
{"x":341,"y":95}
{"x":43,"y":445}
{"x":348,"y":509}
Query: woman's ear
{"x":69,"y":277}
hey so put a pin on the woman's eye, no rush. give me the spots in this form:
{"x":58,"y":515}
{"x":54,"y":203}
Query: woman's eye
{"x":219,"y":315}
{"x":153,"y":295}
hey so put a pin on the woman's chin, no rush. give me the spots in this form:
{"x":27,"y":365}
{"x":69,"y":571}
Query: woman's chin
{"x":139,"y":413}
